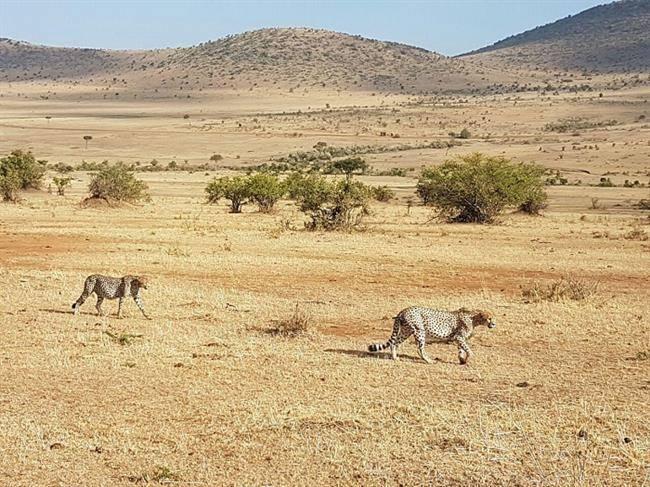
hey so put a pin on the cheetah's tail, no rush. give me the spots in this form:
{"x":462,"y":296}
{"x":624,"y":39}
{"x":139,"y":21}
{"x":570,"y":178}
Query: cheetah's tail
{"x":378,"y":347}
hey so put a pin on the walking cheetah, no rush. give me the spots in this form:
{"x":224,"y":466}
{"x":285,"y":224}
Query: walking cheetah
{"x":106,"y":287}
{"x":435,"y":326}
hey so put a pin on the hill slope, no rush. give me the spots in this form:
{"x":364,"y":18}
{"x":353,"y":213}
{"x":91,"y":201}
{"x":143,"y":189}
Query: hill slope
{"x":274,"y":58}
{"x":608,"y":38}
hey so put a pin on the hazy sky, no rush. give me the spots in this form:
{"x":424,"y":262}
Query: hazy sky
{"x":446,"y":26}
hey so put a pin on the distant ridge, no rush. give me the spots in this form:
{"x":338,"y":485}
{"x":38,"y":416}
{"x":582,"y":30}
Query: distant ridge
{"x":608,"y":38}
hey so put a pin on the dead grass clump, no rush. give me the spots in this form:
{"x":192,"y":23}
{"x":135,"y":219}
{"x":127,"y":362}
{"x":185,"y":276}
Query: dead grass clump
{"x":566,"y":288}
{"x":636,"y":234}
{"x":160,"y":475}
{"x":299,"y":323}
{"x":123,"y":338}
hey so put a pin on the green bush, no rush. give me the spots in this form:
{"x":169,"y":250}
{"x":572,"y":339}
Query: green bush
{"x":236,"y":189}
{"x":117,"y":183}
{"x":266,"y":190}
{"x":477,"y":188}
{"x":9,"y":185}
{"x":382,"y":193}
{"x":331,"y":205}
{"x":22,"y":166}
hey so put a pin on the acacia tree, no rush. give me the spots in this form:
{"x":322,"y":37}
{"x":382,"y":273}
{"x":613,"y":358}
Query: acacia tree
{"x":87,"y":138}
{"x":349,"y":166}
{"x":236,"y":189}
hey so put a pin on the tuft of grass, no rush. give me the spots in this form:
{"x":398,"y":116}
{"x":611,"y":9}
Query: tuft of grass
{"x":123,"y":338}
{"x":636,"y":234}
{"x":563,"y":289}
{"x":299,"y":323}
{"x":160,"y":475}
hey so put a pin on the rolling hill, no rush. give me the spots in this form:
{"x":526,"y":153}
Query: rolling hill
{"x":287,"y":58}
{"x":612,"y":38}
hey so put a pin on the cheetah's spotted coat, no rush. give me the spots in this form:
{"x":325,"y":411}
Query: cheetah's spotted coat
{"x":435,"y":326}
{"x":106,"y":287}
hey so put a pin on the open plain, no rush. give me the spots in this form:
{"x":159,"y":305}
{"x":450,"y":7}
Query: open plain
{"x":206,"y":393}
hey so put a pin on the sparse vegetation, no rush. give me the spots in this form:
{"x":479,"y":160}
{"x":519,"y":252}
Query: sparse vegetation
{"x":477,"y":188}
{"x":572,"y":124}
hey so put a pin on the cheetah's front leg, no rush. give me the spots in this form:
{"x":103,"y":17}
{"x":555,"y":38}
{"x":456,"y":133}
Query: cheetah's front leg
{"x":138,"y":302}
{"x":464,"y":351}
{"x":119,"y":308}
{"x":98,"y":306}
{"x":420,"y":338}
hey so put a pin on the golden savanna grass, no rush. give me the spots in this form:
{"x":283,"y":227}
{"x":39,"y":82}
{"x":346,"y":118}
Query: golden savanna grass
{"x":209,"y":393}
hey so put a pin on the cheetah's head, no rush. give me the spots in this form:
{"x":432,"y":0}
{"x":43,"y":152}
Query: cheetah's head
{"x":142,"y":281}
{"x":483,"y":318}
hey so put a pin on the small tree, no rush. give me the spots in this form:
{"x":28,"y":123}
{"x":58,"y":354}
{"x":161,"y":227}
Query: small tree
{"x":349,"y":166}
{"x":61,"y":183}
{"x":235,"y":189}
{"x":117,"y":183}
{"x":216,"y":157}
{"x":266,"y":190}
{"x":337,"y":205}
{"x":477,"y":188}
{"x":87,"y":138}
{"x":22,"y":167}
{"x":464,"y":134}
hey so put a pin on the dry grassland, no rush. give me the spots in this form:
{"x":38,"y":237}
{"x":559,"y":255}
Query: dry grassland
{"x":204,"y":394}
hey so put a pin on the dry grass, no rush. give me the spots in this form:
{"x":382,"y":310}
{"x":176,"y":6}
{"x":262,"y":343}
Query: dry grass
{"x":566,"y":288}
{"x":557,"y":394}
{"x":299,"y":323}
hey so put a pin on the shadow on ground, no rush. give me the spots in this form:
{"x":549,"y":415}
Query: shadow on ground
{"x":379,"y":355}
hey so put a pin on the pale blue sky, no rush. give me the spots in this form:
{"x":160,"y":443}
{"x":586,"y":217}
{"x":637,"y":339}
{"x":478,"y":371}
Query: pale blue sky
{"x":446,"y":26}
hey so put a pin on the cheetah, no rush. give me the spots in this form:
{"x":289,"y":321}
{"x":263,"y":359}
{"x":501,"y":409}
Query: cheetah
{"x":430,"y":325}
{"x":106,"y":287}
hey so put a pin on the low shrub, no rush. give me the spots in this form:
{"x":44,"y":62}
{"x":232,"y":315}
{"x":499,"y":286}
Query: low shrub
{"x":23,"y":167}
{"x":331,"y":205}
{"x":117,"y":183}
{"x":383,"y":193}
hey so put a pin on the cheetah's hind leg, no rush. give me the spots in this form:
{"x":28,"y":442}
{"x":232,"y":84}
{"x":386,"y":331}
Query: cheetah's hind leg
{"x":423,"y":355}
{"x":98,"y":306}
